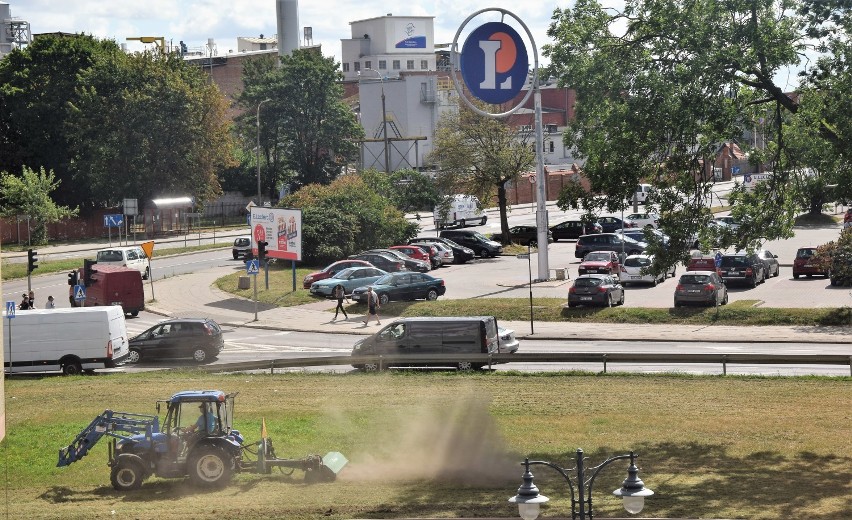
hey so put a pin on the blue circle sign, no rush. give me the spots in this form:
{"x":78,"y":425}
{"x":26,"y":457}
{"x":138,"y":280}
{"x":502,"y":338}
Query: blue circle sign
{"x":494,"y":63}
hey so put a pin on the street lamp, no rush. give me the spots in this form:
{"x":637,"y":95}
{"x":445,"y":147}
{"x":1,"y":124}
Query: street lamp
{"x":632,"y":490}
{"x":259,"y":198}
{"x":384,"y":119}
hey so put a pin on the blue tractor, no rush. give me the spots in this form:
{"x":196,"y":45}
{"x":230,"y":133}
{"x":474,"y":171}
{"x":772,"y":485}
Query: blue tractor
{"x":196,"y":440}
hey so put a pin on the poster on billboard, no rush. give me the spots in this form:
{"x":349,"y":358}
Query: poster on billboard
{"x":281,"y":229}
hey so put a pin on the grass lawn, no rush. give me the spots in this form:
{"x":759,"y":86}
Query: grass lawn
{"x":448,"y":445}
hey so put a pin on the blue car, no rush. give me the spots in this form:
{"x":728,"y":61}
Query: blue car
{"x":350,"y":279}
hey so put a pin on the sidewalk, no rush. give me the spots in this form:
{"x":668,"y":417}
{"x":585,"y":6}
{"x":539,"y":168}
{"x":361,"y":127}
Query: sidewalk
{"x":193,"y":295}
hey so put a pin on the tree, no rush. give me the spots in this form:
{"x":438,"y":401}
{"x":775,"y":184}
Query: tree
{"x":477,"y":154}
{"x":307,"y":133}
{"x":660,"y":85}
{"x":407,"y":189}
{"x":345,"y":218}
{"x":29,"y":195}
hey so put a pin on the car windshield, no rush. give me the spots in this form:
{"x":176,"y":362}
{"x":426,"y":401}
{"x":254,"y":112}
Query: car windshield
{"x":638,"y":261}
{"x":344,"y":274}
{"x":109,"y":256}
{"x":480,"y":236}
{"x":385,"y":280}
{"x":598,"y":257}
{"x":694,"y":279}
{"x":587,"y":282}
{"x":805,"y":253}
{"x":733,"y":261}
{"x":451,"y":243}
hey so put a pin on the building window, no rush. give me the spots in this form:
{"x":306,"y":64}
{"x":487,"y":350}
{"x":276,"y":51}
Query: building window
{"x":424,"y":64}
{"x":552,"y":147}
{"x":395,"y":64}
{"x":357,"y":66}
{"x":345,"y":67}
{"x":383,"y":64}
{"x":368,"y":64}
{"x":409,"y":65}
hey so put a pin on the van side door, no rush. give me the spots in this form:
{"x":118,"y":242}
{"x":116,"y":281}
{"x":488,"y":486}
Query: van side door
{"x":461,"y":337}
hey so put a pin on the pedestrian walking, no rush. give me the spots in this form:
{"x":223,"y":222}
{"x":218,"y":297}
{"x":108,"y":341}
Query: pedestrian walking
{"x":50,"y":303}
{"x":340,"y":293}
{"x":25,"y":302}
{"x":372,"y":306}
{"x":32,"y":300}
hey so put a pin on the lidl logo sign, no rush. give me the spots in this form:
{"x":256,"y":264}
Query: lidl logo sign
{"x":494,"y":63}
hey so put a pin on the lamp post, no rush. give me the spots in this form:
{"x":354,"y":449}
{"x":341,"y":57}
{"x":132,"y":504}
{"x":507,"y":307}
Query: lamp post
{"x":259,"y":198}
{"x":384,"y":120}
{"x":632,"y":490}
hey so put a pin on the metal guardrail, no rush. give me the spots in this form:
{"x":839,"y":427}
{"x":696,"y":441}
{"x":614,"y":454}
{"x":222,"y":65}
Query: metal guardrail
{"x":605,"y":359}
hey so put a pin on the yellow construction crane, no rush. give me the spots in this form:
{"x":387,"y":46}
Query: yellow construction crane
{"x":159,"y":41}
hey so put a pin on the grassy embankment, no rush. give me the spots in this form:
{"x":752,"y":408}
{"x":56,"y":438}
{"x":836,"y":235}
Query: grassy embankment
{"x":445,"y":445}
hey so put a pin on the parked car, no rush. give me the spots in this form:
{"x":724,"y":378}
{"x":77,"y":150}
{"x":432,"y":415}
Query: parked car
{"x":403,"y":286}
{"x":806,"y":264}
{"x":132,"y":257}
{"x":524,"y":235}
{"x":383,"y":261}
{"x":701,"y":287}
{"x":461,"y":254}
{"x":350,"y":279}
{"x":635,"y":270}
{"x":607,"y":242}
{"x":642,"y":220}
{"x":770,"y":262}
{"x":411,"y":264}
{"x":729,"y":221}
{"x":596,"y":289}
{"x":508,"y":343}
{"x":198,"y":338}
{"x":715,"y":230}
{"x":332,"y":269}
{"x":641,"y":194}
{"x":701,"y":263}
{"x":479,"y":243}
{"x":242,"y":248}
{"x":444,"y":252}
{"x":611,"y":224}
{"x":601,"y":262}
{"x":742,"y":267}
{"x":425,"y":253}
{"x":573,"y":229}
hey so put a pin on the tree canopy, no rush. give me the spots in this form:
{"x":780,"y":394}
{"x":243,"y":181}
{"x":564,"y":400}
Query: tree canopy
{"x":29,"y":195}
{"x":662,"y":84}
{"x":307,"y":133}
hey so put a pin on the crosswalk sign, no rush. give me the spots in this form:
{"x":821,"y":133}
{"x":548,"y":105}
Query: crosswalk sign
{"x":79,"y":292}
{"x":252,"y":267}
{"x":10,"y":309}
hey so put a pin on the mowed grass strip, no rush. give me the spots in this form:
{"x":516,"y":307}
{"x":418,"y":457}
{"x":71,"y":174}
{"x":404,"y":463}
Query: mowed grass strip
{"x":448,"y":445}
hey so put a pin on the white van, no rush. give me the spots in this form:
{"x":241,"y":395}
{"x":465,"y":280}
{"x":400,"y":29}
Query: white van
{"x":129,"y":256}
{"x":460,"y":210}
{"x":71,"y":340}
{"x":643,"y":191}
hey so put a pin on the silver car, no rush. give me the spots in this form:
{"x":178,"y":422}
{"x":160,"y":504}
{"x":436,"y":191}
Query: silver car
{"x":635,"y":270}
{"x":770,"y":261}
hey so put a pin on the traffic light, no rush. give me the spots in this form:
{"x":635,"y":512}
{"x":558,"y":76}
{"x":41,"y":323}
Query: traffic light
{"x":32,"y":259}
{"x":88,"y":271}
{"x":73,"y":278}
{"x":261,"y":250}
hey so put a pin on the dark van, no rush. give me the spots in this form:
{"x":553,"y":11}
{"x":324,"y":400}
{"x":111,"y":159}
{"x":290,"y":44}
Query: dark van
{"x":112,"y":285}
{"x":431,"y":339}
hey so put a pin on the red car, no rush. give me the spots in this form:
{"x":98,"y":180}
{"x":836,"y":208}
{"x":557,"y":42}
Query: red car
{"x":701,"y":263}
{"x":414,"y":252}
{"x":600,"y":262}
{"x":333,"y":269}
{"x":805,"y":264}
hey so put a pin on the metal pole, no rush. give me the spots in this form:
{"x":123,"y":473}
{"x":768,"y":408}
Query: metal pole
{"x":255,"y":296}
{"x":529,"y":268}
{"x":581,"y":483}
{"x":541,"y":189}
{"x":385,"y":127}
{"x":259,"y":200}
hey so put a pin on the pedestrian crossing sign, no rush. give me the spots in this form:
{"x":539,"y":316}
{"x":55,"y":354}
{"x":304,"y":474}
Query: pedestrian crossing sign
{"x":79,"y":292}
{"x":252,"y":267}
{"x":10,"y":309}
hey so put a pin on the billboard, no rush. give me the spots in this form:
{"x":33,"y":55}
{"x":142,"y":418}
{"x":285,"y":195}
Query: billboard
{"x":409,"y":35}
{"x":281,"y":229}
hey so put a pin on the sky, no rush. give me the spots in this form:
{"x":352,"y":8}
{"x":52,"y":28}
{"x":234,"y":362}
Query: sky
{"x":194,"y":21}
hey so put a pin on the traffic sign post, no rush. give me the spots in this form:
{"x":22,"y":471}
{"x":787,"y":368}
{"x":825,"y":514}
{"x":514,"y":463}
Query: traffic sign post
{"x":111,"y":221}
{"x":718,"y":259}
{"x":252,"y":268}
{"x":80,"y":293}
{"x":10,"y":313}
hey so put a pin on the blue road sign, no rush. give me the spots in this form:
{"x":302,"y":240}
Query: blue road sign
{"x":718,"y":259}
{"x":113,"y":220}
{"x":10,"y":309}
{"x":494,"y":63}
{"x":252,"y":267}
{"x":79,"y":292}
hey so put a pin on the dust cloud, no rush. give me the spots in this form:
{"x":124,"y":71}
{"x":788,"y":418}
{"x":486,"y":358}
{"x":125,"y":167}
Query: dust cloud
{"x":455,"y":441}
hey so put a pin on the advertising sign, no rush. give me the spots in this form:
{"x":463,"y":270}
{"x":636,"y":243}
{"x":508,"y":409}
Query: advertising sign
{"x":409,"y":35}
{"x":494,"y":63}
{"x":281,"y":229}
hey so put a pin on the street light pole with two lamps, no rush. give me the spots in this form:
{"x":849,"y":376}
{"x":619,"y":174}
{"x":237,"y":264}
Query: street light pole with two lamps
{"x":632,"y":490}
{"x":384,"y":119}
{"x":259,"y":192}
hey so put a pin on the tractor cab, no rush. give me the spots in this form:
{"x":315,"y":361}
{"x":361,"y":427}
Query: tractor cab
{"x":198,"y":415}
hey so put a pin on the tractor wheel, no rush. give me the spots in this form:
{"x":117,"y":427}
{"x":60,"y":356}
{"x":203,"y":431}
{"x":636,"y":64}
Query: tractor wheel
{"x":199,"y":355}
{"x":135,"y":356}
{"x":128,"y":473}
{"x":209,"y":466}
